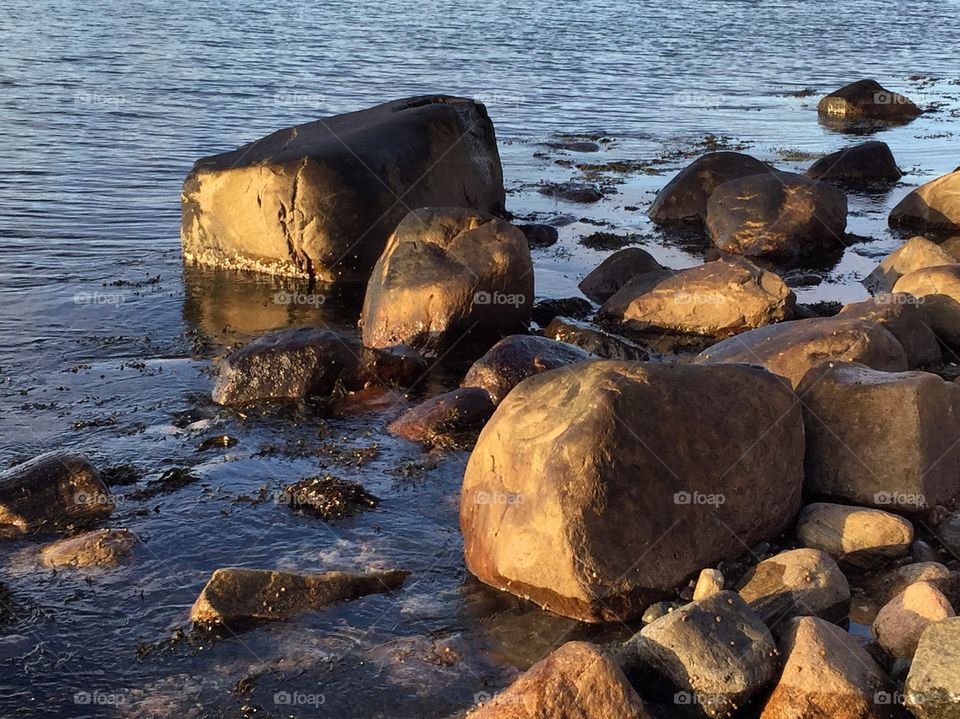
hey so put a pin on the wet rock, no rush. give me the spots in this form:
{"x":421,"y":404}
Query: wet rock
{"x":795,"y":583}
{"x":921,"y":551}
{"x":539,"y":235}
{"x":914,"y":254}
{"x":446,"y":272}
{"x":716,"y":299}
{"x":568,"y":485}
{"x":517,"y":357}
{"x":99,"y":548}
{"x":867,"y":99}
{"x":881,"y":439}
{"x":446,"y":418}
{"x":327,"y":497}
{"x":709,"y":582}
{"x":684,"y":198}
{"x":659,"y":609}
{"x":790,"y":349}
{"x":51,"y":493}
{"x":901,"y":621}
{"x":576,"y":681}
{"x":545,"y":310}
{"x":948,"y":532}
{"x":778,"y":216}
{"x":235,"y":594}
{"x":888,"y":585}
{"x":904,"y":319}
{"x":932,"y":689}
{"x":616,"y":271}
{"x":715,"y":653}
{"x":581,"y":192}
{"x":933,"y":206}
{"x":796,"y":278}
{"x":594,"y":340}
{"x":298,"y":202}
{"x":867,"y":162}
{"x":937,"y":290}
{"x":827,"y":674}
{"x":854,"y":535}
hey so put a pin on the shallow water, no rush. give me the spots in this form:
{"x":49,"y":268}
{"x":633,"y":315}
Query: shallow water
{"x":103,"y":109}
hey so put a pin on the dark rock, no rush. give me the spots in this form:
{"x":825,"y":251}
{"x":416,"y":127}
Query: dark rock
{"x":934,"y":206}
{"x":659,"y":609}
{"x":594,"y":340}
{"x":867,"y":99}
{"x":581,"y":192}
{"x":802,"y":279}
{"x":540,"y":235}
{"x":517,"y":357}
{"x":937,"y":293}
{"x":545,"y":310}
{"x":684,"y":198}
{"x":867,"y":162}
{"x":327,"y":497}
{"x":904,"y":319}
{"x":885,"y":586}
{"x":948,"y":532}
{"x":615,"y":271}
{"x":446,"y":418}
{"x":320,"y":199}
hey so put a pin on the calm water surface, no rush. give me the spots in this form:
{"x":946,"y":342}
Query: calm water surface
{"x":107,"y":341}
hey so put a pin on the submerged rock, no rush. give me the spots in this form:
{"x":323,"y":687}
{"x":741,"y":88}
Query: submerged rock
{"x":914,"y":254}
{"x":933,"y":206}
{"x":901,"y":621}
{"x":778,"y":216}
{"x":881,"y":439}
{"x":545,"y":310}
{"x":904,"y":318}
{"x":716,"y":299}
{"x":320,"y":199}
{"x":581,"y":192}
{"x":540,"y":235}
{"x":617,"y":270}
{"x":867,"y":162}
{"x":714,"y":653}
{"x":594,"y":340}
{"x":235,"y":594}
{"x":576,"y":681}
{"x":446,"y":418}
{"x":791,"y":349}
{"x":517,"y":357}
{"x":932,"y":689}
{"x":99,"y":548}
{"x":567,"y":485}
{"x":937,"y":291}
{"x":327,"y":497}
{"x":867,"y":99}
{"x":447,"y":272}
{"x":684,"y":199}
{"x":854,"y":535}
{"x":51,"y":493}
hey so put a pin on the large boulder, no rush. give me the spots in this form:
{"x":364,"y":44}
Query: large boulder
{"x":860,"y":536}
{"x":587,"y":483}
{"x":684,"y":198}
{"x":937,"y":291}
{"x":901,"y":621}
{"x":616,"y":271}
{"x":304,"y":362}
{"x":881,"y":439}
{"x":867,"y":162}
{"x":99,"y":548}
{"x":791,"y":349}
{"x":446,"y":418}
{"x":714,"y":653}
{"x":867,"y":99}
{"x":914,"y":254}
{"x":576,"y":681}
{"x":932,"y":689}
{"x":905,"y":319}
{"x":321,"y":199}
{"x":777,"y":216}
{"x":794,"y":583}
{"x":52,"y":493}
{"x":827,"y":674}
{"x":517,"y":357}
{"x":447,"y":272}
{"x":234,"y":594}
{"x":716,"y":299}
{"x":594,"y":340}
{"x":934,"y":206}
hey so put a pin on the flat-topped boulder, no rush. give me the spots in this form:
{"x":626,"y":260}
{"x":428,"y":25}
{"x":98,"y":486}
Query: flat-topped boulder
{"x":860,"y":536}
{"x":904,"y":318}
{"x":616,"y":271}
{"x":914,"y":254}
{"x":683,"y":200}
{"x":937,"y":291}
{"x":867,"y":162}
{"x":575,"y":477}
{"x":321,"y":199}
{"x":881,"y":439}
{"x":235,"y":594}
{"x":791,"y":349}
{"x":867,"y":99}
{"x":445,"y":273}
{"x":717,"y":299}
{"x":934,"y":206}
{"x":52,"y":493}
{"x":781,"y":217}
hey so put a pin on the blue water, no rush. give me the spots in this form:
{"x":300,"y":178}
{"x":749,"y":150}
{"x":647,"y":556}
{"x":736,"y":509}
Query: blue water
{"x":104,"y":107}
